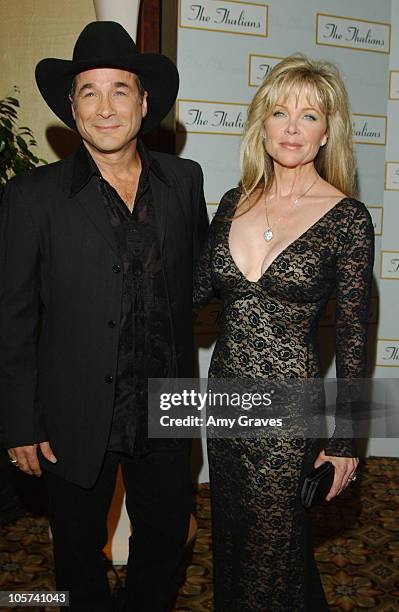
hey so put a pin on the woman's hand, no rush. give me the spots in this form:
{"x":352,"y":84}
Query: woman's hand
{"x":345,"y":468}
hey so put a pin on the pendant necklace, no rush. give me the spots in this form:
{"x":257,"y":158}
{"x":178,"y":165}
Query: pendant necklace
{"x":268,"y":233}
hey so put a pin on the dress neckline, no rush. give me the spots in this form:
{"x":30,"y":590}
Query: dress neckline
{"x":286,"y":248}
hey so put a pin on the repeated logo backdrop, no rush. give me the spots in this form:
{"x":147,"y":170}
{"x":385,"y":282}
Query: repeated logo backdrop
{"x":226,"y":48}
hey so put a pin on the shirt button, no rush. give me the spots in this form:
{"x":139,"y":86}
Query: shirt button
{"x":111,"y":324}
{"x":108,"y":380}
{"x":116,"y":269}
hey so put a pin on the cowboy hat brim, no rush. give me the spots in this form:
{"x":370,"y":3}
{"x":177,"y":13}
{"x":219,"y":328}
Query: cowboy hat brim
{"x":157,"y":73}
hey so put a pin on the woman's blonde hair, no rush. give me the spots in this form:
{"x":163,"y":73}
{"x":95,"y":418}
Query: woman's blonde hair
{"x":334,"y":161}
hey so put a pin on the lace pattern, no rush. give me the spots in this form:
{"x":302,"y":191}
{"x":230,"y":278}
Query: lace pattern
{"x":262,"y":544}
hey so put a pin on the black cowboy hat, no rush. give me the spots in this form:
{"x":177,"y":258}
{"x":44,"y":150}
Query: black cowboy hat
{"x":106,"y":44}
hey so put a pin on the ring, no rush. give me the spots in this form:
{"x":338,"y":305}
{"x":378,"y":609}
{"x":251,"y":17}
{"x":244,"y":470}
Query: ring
{"x":14,"y":461}
{"x":353,"y":478}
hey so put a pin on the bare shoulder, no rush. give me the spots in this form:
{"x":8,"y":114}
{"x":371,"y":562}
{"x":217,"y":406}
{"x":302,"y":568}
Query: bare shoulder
{"x":246,"y":206}
{"x":327,"y":193}
{"x":332,"y":196}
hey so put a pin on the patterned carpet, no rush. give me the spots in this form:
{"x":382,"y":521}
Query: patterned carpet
{"x":357,"y":548}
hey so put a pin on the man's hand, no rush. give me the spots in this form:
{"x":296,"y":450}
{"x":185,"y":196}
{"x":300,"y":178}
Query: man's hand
{"x":345,"y":468}
{"x":25,"y":457}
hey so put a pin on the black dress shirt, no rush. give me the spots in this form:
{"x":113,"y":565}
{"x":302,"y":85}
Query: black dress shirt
{"x":145,"y":326}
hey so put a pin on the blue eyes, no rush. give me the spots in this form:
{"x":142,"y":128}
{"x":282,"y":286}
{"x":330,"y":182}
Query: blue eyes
{"x":282,"y":114}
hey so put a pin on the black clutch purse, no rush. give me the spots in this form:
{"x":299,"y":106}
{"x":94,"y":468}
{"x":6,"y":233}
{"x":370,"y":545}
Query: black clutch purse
{"x":317,"y":484}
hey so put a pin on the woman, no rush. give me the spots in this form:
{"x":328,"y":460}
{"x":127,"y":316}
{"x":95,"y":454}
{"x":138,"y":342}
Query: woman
{"x":279,"y":245}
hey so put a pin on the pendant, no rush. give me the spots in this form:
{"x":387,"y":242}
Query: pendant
{"x":268,"y":234}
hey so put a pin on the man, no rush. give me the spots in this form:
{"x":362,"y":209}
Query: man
{"x":97,"y":262}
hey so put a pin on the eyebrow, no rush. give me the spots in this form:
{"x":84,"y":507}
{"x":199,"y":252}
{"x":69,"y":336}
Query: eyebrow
{"x":120,"y":84}
{"x":312,"y":108}
{"x":93,"y":85}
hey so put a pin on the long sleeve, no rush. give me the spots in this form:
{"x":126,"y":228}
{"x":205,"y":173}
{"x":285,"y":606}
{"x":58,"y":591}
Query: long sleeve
{"x":19,"y":320}
{"x":203,"y":288}
{"x":354,"y":271}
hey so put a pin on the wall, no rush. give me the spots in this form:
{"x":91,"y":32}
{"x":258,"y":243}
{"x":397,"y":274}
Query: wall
{"x":31,"y":30}
{"x":387,"y":270}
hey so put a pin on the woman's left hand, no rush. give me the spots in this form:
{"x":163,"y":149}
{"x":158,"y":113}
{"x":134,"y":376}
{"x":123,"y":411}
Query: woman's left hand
{"x":345,"y":468}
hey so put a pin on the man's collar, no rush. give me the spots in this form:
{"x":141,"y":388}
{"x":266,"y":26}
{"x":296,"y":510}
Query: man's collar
{"x":148,"y":161}
{"x":84,"y":167}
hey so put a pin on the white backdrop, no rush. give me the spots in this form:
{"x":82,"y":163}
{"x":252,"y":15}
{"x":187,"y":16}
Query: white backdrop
{"x":225,"y":48}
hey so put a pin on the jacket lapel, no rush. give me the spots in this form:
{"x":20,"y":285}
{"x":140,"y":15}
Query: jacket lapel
{"x":90,"y":200}
{"x":161,"y":196}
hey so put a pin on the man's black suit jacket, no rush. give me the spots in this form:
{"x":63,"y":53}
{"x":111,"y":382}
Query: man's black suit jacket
{"x":60,"y":267}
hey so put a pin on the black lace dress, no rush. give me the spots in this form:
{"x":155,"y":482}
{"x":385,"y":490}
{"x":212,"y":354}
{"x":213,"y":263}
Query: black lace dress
{"x":263,"y":553}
